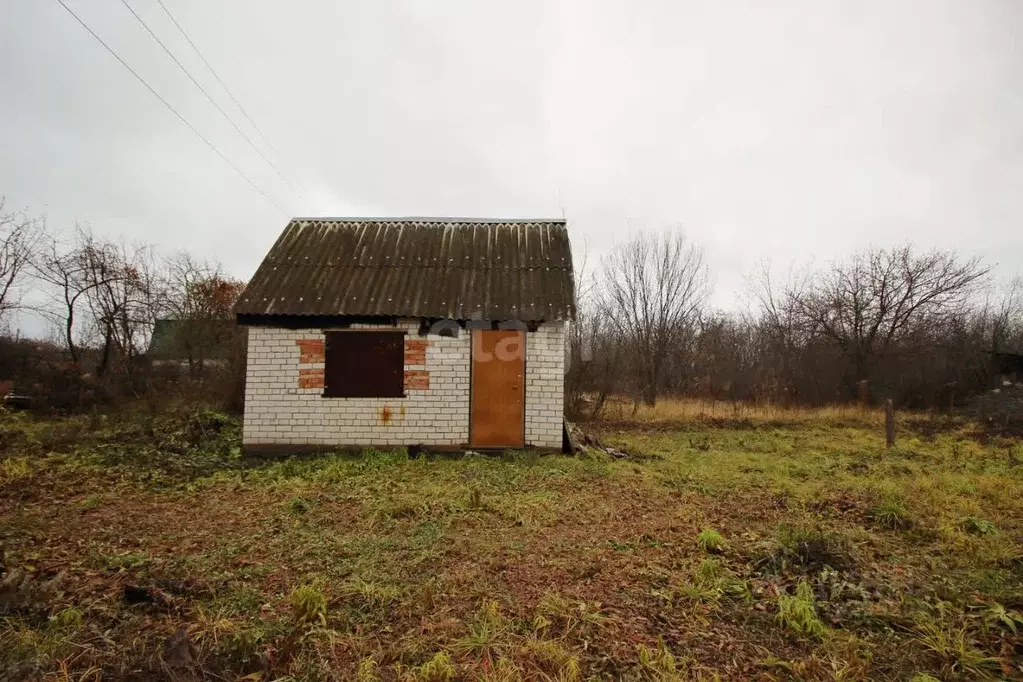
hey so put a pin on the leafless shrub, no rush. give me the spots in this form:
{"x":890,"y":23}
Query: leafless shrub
{"x":107,"y":298}
{"x":200,"y":299}
{"x":19,"y":238}
{"x":880,"y":300}
{"x":653,"y":291}
{"x":896,"y":323}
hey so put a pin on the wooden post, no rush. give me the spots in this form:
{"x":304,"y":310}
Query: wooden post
{"x":889,"y":423}
{"x":864,"y":390}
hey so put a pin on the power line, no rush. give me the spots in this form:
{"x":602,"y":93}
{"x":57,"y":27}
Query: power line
{"x":172,"y":109}
{"x":208,"y":96}
{"x":222,"y":83}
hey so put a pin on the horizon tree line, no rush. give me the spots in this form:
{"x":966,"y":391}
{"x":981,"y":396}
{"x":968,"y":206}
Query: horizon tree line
{"x":105,"y":295}
{"x":915,"y":325}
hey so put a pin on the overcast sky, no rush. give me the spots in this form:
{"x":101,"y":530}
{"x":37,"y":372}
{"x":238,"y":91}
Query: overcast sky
{"x":777,"y":130}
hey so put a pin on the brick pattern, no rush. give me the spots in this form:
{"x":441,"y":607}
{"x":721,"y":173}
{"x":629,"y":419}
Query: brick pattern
{"x":545,"y":385}
{"x":415,"y":352}
{"x":417,"y":379}
{"x":284,"y":384}
{"x":284,"y":408}
{"x":311,"y":358}
{"x":310,"y":378}
{"x":310,"y":351}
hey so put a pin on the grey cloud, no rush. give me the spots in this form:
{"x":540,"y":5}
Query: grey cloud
{"x":768,"y":130}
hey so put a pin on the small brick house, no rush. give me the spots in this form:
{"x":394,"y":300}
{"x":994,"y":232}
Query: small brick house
{"x":442,"y":333}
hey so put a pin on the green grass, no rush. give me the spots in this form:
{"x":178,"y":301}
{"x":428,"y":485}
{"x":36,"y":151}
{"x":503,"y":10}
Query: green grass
{"x":791,"y":545}
{"x":954,"y":647}
{"x":660,"y":663}
{"x":892,"y":514}
{"x":438,"y":669}
{"x":13,"y":468}
{"x":709,"y":540}
{"x":978,"y":526}
{"x":309,"y":605}
{"x":798,"y":612}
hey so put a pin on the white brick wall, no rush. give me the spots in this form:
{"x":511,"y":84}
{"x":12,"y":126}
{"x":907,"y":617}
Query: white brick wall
{"x":278,"y":412}
{"x":545,"y":385}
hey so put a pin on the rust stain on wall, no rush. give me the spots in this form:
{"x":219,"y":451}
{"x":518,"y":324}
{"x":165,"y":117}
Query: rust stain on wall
{"x":385,"y":414}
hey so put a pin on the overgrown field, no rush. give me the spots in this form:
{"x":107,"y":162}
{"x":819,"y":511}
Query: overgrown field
{"x":785,"y":546}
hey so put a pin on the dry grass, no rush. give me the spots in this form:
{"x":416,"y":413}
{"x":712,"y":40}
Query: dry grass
{"x":154,"y":552}
{"x":675,"y":410}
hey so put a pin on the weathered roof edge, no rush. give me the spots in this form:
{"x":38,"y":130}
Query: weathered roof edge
{"x":426,"y":219}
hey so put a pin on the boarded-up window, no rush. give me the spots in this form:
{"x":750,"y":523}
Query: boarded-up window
{"x":364,"y":364}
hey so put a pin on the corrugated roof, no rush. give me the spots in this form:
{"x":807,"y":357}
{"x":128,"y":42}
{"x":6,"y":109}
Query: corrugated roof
{"x":453,"y":268}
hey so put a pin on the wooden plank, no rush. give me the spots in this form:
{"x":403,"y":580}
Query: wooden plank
{"x":498,"y":388}
{"x":889,"y":423}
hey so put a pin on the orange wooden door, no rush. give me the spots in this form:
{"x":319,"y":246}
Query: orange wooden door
{"x":498,"y":388}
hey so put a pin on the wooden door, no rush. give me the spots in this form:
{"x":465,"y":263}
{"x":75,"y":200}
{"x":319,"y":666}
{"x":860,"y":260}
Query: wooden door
{"x":498,"y":417}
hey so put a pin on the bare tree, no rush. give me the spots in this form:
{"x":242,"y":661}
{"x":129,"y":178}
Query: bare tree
{"x":608,"y":367}
{"x":596,"y":352}
{"x":71,"y":270}
{"x":125,"y":295}
{"x":19,"y":237}
{"x":879,"y":298}
{"x":1007,"y":319}
{"x":776,"y":328}
{"x":655,"y":287}
{"x":201,"y":302}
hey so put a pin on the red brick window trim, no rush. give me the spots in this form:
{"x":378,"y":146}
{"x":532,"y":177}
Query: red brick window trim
{"x":417,"y":380}
{"x":415,"y":352}
{"x":311,"y":351}
{"x":310,"y":378}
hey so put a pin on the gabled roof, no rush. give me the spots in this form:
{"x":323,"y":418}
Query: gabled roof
{"x":452,"y":268}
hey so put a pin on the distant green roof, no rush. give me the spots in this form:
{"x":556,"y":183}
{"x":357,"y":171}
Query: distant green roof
{"x":172,"y":339}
